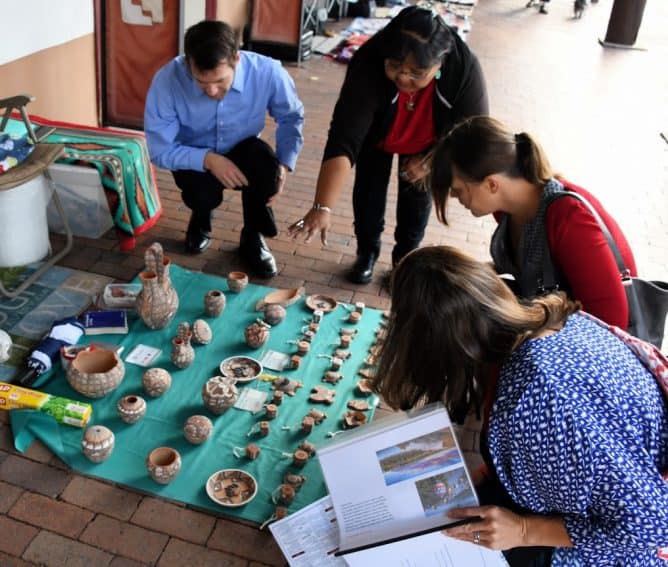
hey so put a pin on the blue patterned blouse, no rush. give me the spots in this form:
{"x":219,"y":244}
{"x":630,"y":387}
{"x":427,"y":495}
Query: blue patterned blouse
{"x":580,"y":428}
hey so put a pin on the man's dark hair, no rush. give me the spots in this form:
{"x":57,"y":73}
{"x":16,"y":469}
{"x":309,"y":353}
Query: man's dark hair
{"x":208,"y":43}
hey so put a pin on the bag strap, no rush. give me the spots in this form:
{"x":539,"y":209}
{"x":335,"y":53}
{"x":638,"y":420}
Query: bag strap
{"x":621,"y":266}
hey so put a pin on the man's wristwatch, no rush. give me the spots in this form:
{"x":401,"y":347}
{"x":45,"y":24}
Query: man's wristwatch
{"x":319,"y":207}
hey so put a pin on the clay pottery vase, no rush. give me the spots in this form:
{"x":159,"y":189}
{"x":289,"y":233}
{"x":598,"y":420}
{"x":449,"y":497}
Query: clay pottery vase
{"x":163,"y":464}
{"x":98,"y":443}
{"x":95,"y":373}
{"x":158,"y":301}
{"x":183,"y":353}
{"x":197,"y":429}
{"x":274,"y":313}
{"x":156,"y":381}
{"x":214,"y":302}
{"x":219,"y":394}
{"x":237,"y":281}
{"x":257,"y":334}
{"x":202,"y":333}
{"x":131,"y":408}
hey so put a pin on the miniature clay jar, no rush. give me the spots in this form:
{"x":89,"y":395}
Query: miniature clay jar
{"x":308,"y":447}
{"x":270,"y":411}
{"x":274,"y":313}
{"x":202,"y":334}
{"x":277,"y":400}
{"x":295,"y":361}
{"x":95,"y":373}
{"x":197,"y":429}
{"x":344,"y":341}
{"x":156,"y":381}
{"x":163,"y":464}
{"x":131,"y":408}
{"x":307,"y":424}
{"x":354,"y":317}
{"x":214,"y":302}
{"x":237,"y":281}
{"x":303,"y":347}
{"x":256,"y":334}
{"x":219,"y":394}
{"x":183,"y":353}
{"x":299,"y":458}
{"x":252,"y":451}
{"x":308,"y":336}
{"x":157,"y":301}
{"x":98,"y":443}
{"x":264,"y":428}
{"x":286,"y":494}
{"x":336,"y":363}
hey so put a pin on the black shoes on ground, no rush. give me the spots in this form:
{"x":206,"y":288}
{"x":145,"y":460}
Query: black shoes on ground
{"x":197,"y":240}
{"x":362,"y":270}
{"x":255,"y":252}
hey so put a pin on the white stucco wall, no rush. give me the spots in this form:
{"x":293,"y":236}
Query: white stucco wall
{"x":29,"y":26}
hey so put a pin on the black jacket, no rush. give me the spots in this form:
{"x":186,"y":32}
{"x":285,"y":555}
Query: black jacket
{"x":367,"y":102}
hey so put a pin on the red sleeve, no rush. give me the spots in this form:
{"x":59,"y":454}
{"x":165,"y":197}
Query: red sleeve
{"x":581,"y":252}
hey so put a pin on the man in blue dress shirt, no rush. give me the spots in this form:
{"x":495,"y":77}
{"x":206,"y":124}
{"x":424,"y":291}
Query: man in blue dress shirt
{"x":204,"y":112}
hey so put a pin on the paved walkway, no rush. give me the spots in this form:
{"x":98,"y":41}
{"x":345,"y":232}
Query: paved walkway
{"x":599,"y":114}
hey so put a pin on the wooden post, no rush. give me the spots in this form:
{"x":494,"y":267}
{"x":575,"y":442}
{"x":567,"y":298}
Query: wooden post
{"x":624,"y":23}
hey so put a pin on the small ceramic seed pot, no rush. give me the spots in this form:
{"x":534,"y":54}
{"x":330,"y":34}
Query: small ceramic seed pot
{"x":131,"y":408}
{"x":270,"y":411}
{"x":295,"y":361}
{"x":163,"y":464}
{"x":98,"y":443}
{"x":214,"y":302}
{"x":202,"y":334}
{"x":219,"y":394}
{"x":252,"y":451}
{"x":237,"y":281}
{"x":277,"y":400}
{"x":299,"y":458}
{"x":256,"y":334}
{"x":303,"y":347}
{"x":274,"y":313}
{"x":197,"y":429}
{"x":156,"y":381}
{"x":354,"y":317}
{"x":307,"y":424}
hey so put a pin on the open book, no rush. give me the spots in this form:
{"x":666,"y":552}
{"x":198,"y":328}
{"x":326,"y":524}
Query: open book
{"x":391,"y":484}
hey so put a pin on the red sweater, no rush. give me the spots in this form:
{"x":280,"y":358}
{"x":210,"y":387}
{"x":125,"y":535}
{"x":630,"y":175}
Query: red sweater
{"x":580,"y":251}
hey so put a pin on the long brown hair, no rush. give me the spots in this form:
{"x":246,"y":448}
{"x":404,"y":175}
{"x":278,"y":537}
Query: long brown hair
{"x":452,"y":317}
{"x":478,"y":147}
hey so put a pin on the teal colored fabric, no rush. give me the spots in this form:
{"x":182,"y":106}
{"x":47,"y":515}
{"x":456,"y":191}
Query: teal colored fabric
{"x":162,"y":425}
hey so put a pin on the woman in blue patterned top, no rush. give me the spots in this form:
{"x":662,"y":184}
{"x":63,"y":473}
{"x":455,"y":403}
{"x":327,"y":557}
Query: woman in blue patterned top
{"x":578,"y":427}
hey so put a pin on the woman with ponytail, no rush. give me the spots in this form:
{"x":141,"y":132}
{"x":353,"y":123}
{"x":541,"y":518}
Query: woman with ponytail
{"x":577,"y":427}
{"x":490,"y":170}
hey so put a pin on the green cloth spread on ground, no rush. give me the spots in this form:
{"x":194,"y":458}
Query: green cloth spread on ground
{"x":163,"y":423}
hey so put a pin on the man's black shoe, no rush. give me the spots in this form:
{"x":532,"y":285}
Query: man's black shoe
{"x":362,"y":269}
{"x":197,"y":240}
{"x":256,"y":254}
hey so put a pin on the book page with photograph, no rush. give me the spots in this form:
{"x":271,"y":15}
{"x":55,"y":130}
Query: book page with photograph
{"x":396,"y":477}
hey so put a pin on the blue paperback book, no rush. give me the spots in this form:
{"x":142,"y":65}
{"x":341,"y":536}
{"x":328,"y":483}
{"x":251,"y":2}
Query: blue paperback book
{"x":105,"y":322}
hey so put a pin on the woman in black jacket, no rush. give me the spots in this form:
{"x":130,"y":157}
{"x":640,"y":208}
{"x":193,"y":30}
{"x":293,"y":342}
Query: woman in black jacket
{"x":405,"y":87}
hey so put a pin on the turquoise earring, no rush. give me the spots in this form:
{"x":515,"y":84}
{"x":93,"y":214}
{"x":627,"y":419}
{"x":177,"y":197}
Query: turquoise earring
{"x":437,"y":76}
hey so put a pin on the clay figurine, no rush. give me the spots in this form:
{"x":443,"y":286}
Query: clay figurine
{"x":156,"y":381}
{"x":202,"y":334}
{"x":293,"y":479}
{"x":320,"y":394}
{"x":342,"y":354}
{"x":364,"y":387}
{"x":284,"y":495}
{"x":353,"y":418}
{"x":317,"y":415}
{"x":308,"y":447}
{"x":257,"y":334}
{"x":308,"y":335}
{"x":359,"y":405}
{"x":367,"y":373}
{"x":286,"y":385}
{"x":98,"y":443}
{"x":277,"y":400}
{"x":332,"y":377}
{"x":214,"y":302}
{"x":347,"y":332}
{"x":197,"y":429}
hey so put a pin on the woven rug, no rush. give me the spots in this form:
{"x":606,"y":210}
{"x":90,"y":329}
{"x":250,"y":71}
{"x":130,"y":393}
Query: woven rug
{"x":60,"y":292}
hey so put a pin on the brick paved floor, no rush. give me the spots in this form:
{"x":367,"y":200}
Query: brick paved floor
{"x":599,"y":114}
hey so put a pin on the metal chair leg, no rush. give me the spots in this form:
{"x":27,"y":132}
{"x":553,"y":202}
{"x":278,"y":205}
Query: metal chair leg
{"x":55,"y":258}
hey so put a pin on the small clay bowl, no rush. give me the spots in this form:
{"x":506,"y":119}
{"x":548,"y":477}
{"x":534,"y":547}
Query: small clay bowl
{"x":237,"y":281}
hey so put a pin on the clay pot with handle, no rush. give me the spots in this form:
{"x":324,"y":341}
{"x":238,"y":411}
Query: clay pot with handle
{"x":158,"y":301}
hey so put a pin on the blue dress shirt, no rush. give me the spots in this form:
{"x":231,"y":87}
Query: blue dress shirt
{"x":182,"y":123}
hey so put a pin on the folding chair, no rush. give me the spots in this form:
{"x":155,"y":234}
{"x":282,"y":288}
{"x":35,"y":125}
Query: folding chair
{"x":36,"y":164}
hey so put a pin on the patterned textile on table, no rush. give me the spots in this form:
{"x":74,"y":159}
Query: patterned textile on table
{"x":580,"y":427}
{"x":125,"y":171}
